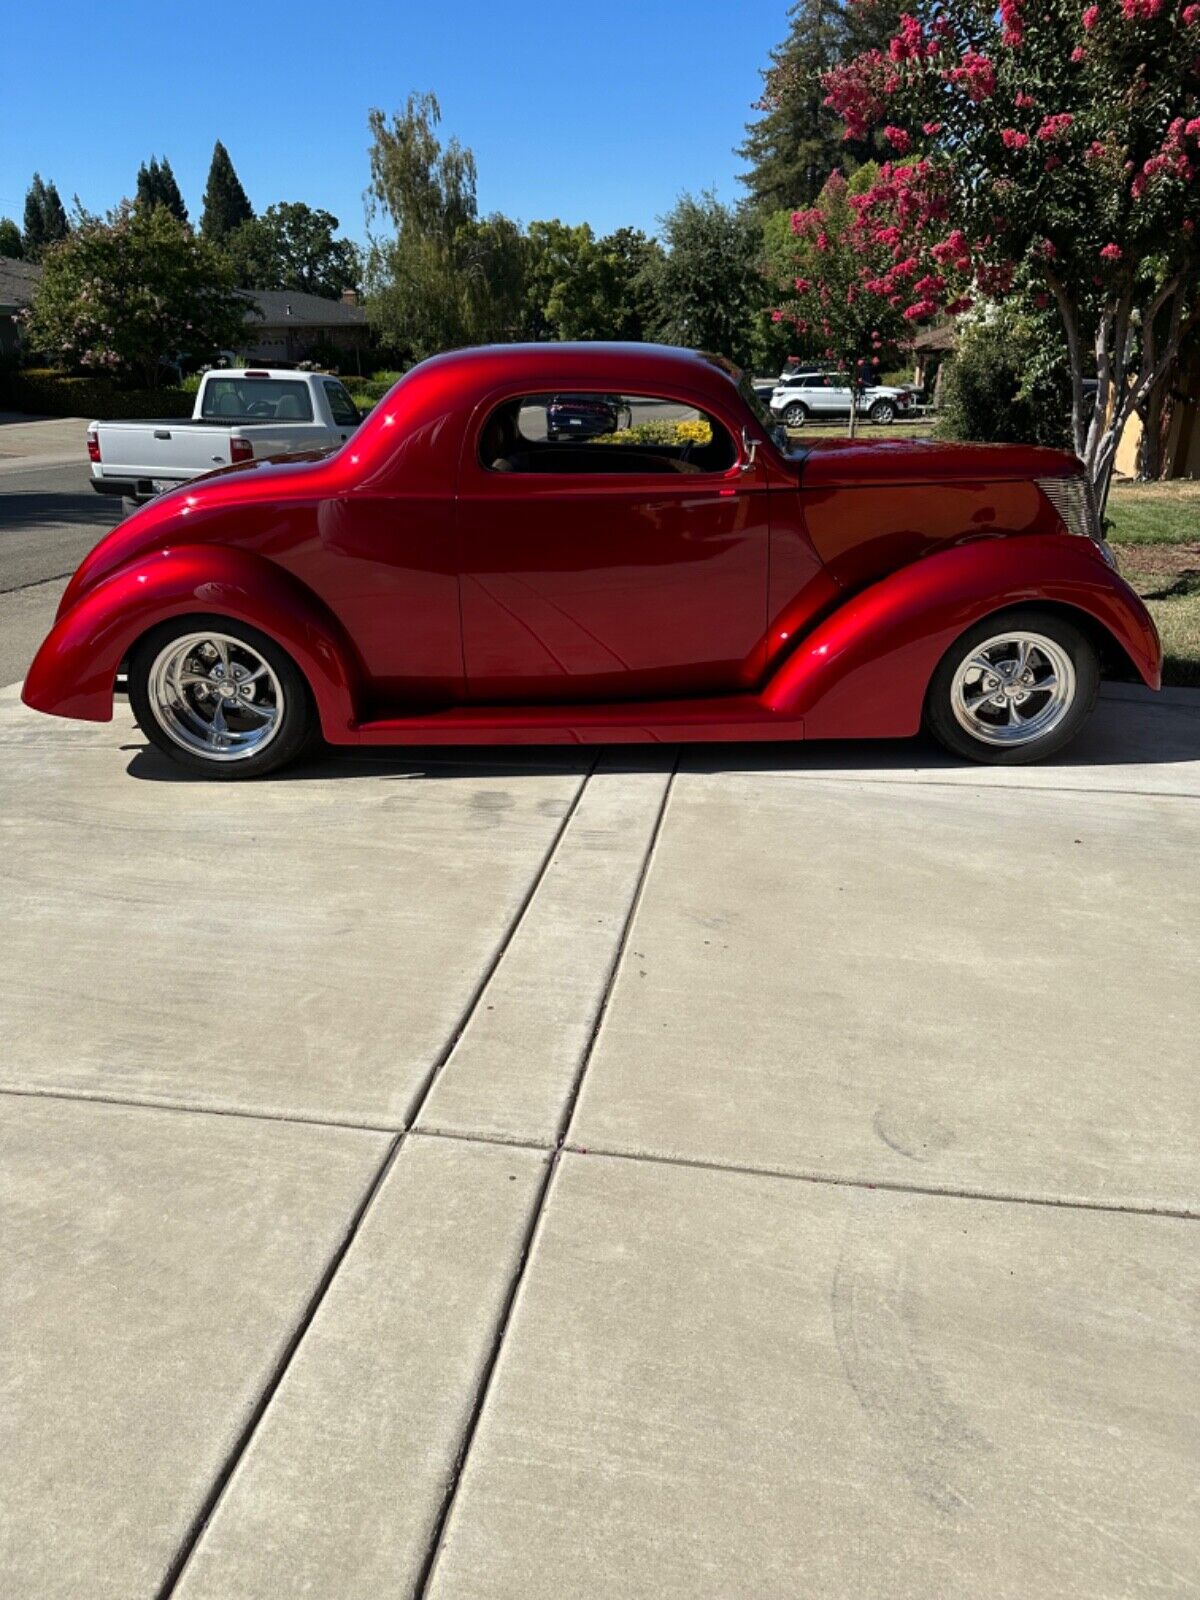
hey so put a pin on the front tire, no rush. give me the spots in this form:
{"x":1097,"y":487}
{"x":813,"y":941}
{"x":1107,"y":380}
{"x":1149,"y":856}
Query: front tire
{"x":883,"y":411}
{"x":1017,"y":687}
{"x":796,"y":414}
{"x":219,"y":697}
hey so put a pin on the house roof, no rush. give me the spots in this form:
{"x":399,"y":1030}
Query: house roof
{"x":18,"y":280}
{"x":290,"y":309}
{"x":943,"y":337}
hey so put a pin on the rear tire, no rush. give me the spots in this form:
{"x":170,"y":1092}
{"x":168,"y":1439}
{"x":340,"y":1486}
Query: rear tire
{"x":219,"y":697}
{"x":1017,"y":687}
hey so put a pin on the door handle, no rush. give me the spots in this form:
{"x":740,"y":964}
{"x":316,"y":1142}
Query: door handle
{"x":162,"y":433}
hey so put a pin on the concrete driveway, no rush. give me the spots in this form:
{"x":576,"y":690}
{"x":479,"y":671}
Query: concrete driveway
{"x":752,"y":1173}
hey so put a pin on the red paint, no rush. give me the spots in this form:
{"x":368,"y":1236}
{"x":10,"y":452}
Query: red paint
{"x":428,"y":599}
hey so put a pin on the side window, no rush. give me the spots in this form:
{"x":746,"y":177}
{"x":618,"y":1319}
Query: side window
{"x":342,"y":408}
{"x":589,"y":432}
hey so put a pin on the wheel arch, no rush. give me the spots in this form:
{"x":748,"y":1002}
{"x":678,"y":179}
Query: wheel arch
{"x":864,"y":671}
{"x":75,"y":670}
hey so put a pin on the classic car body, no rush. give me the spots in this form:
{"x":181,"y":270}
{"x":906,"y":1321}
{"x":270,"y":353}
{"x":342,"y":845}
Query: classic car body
{"x":443,"y":578}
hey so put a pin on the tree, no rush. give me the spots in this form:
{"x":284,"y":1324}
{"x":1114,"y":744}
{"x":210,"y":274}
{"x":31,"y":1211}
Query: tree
{"x":11,"y":244}
{"x":632,"y":266}
{"x":292,"y":246}
{"x":797,"y":141}
{"x":708,"y":284}
{"x":419,"y":288}
{"x":1053,"y":149}
{"x":45,"y":218}
{"x":226,"y":204}
{"x":836,"y":307}
{"x":156,"y":186}
{"x":122,"y":294}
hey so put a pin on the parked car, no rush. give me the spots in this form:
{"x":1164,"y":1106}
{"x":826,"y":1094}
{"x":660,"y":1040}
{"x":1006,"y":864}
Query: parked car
{"x":801,"y":395}
{"x":454,"y":577}
{"x":242,"y":415}
{"x":582,"y":416}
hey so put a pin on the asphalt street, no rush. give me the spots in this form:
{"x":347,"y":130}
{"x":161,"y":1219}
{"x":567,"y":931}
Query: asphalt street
{"x":49,"y":519}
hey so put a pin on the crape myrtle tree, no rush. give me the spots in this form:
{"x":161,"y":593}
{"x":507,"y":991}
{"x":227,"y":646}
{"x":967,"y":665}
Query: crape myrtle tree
{"x":121,"y":295}
{"x":835,"y":305}
{"x":1051,"y":146}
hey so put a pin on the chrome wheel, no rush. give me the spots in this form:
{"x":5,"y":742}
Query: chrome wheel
{"x":215,"y":696}
{"x":1013,"y":688}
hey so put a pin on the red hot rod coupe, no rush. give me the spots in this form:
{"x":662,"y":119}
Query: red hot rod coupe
{"x":461,"y":573}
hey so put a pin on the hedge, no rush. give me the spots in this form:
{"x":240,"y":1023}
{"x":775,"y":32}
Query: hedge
{"x":52,"y":395}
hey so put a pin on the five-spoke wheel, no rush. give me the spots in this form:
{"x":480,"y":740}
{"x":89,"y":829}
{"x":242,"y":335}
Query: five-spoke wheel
{"x":1016,"y":687}
{"x":219,"y":697}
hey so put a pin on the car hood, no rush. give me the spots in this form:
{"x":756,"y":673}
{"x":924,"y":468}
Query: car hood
{"x":855,"y":463}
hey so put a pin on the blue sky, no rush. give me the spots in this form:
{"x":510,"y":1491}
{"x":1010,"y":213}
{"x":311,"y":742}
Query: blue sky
{"x":602,"y":112}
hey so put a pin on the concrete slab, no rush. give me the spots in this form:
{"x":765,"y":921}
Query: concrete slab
{"x":724,"y":1387}
{"x":1136,"y":743}
{"x":982,"y":990}
{"x":155,"y":1268}
{"x":513,"y":1070}
{"x":340,"y":1491}
{"x":302,"y":947}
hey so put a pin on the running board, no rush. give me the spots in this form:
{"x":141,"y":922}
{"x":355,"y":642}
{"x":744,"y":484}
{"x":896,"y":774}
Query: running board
{"x":727,"y":717}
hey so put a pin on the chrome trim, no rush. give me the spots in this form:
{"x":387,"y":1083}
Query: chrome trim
{"x":1075,"y":501}
{"x":1013,"y":688}
{"x":215,"y":696}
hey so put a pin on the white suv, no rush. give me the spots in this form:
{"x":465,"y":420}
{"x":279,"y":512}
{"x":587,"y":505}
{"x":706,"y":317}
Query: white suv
{"x":800,"y":395}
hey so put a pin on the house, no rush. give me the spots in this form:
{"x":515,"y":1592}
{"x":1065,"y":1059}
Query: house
{"x":286,"y":326}
{"x":18,"y":280}
{"x":1179,"y":433}
{"x":931,"y":348}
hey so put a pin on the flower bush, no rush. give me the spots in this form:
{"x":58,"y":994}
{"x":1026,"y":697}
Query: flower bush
{"x":1049,"y":147}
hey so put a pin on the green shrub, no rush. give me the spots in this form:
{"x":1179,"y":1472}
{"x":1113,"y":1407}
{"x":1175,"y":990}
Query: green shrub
{"x":661,"y":431}
{"x":1005,"y":386}
{"x":48,"y":393}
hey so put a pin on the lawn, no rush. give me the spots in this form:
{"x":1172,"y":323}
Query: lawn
{"x":1155,"y":530}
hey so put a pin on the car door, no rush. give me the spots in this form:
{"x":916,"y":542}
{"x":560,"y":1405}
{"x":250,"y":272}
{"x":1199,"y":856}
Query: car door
{"x":612,"y":568}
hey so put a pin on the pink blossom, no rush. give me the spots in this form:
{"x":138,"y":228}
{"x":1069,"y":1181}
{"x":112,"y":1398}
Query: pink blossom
{"x":1049,"y":249}
{"x":1055,"y":127}
{"x":931,"y":128}
{"x":1141,"y":10}
{"x":899,"y":138}
{"x":1091,"y":17}
{"x":1191,"y":16}
{"x":1078,"y":54}
{"x":1193,"y":127}
{"x":1014,"y":140}
{"x":1025,"y":100}
{"x":1111,"y":252}
{"x":909,"y":43}
{"x":1013,"y":22}
{"x":976,"y":75}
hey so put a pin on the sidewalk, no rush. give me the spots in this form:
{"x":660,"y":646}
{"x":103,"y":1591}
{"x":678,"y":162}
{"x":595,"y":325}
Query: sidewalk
{"x":752,"y":1173}
{"x":37,"y":441}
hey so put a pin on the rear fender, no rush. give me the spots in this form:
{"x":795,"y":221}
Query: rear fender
{"x":74,"y":671}
{"x":863,"y":672}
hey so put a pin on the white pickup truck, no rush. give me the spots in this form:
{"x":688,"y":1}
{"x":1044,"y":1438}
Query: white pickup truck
{"x":239,"y":415}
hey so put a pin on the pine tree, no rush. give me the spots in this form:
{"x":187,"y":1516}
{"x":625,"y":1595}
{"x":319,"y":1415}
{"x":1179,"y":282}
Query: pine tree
{"x":11,"y":244}
{"x":45,"y":217}
{"x":797,"y":142}
{"x":156,"y":186}
{"x":226,"y":204}
{"x":169,"y":192}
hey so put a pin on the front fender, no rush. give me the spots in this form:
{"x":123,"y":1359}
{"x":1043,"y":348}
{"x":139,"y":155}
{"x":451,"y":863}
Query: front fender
{"x":863,"y":672}
{"x":74,"y":671}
